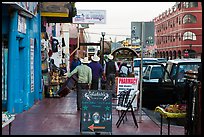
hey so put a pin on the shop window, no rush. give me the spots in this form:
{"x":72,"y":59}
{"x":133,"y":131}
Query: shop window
{"x":189,"y":18}
{"x":189,"y":36}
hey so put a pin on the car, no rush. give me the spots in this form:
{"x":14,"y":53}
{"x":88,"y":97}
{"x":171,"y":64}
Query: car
{"x":153,"y":73}
{"x":170,"y":88}
{"x":137,"y":62}
{"x":162,"y":60}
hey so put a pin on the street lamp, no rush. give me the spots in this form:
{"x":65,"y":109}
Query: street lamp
{"x":103,"y":35}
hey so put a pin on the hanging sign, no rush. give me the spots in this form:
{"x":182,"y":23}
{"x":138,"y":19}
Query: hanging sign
{"x":32,"y":64}
{"x":21,"y":24}
{"x":90,"y":16}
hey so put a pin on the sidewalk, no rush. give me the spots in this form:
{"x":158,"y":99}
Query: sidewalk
{"x":59,"y":116}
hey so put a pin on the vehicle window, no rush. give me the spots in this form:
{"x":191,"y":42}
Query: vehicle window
{"x":173,"y":72}
{"x":156,"y":73}
{"x":137,"y":62}
{"x":147,"y":72}
{"x":181,"y":72}
{"x":186,"y":67}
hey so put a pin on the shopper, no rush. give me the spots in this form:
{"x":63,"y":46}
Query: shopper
{"x":124,"y":70}
{"x":76,"y":62}
{"x":110,"y":71}
{"x":84,"y":79}
{"x":97,"y":71}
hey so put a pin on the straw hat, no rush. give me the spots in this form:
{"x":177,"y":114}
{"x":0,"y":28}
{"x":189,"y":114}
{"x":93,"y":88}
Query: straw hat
{"x":85,"y":60}
{"x":95,"y":58}
{"x":110,"y":56}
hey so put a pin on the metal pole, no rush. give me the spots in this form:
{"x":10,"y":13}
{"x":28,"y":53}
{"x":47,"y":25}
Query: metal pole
{"x":102,"y":60}
{"x":141,"y":73}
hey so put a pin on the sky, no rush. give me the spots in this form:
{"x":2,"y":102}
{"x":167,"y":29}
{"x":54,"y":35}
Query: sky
{"x":119,"y":16}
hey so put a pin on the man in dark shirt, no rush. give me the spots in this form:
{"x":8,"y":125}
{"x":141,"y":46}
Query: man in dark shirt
{"x":110,"y":71}
{"x":97,"y":71}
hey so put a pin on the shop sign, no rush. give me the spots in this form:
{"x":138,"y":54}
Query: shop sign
{"x":30,"y":7}
{"x":126,"y":83}
{"x":21,"y":24}
{"x":90,"y":16}
{"x":96,"y":113}
{"x":32,"y":64}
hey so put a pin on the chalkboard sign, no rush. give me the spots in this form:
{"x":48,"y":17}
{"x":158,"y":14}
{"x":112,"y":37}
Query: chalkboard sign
{"x":96,"y":112}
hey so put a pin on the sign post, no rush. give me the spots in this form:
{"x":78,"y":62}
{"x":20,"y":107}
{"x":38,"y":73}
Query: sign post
{"x":96,"y":112}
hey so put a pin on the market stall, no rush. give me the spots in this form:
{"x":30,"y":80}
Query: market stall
{"x":170,"y":112}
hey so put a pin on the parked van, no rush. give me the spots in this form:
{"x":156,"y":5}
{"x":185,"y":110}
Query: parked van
{"x":169,"y":89}
{"x":137,"y":62}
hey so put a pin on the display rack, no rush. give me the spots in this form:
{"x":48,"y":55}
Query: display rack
{"x":168,"y":116}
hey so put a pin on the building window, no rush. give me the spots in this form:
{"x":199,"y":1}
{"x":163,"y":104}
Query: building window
{"x":190,"y":4}
{"x":179,"y":21}
{"x":179,"y":36}
{"x":189,"y":36}
{"x":189,"y":18}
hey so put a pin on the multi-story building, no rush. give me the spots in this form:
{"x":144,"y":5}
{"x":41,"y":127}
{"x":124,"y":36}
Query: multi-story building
{"x":179,"y":31}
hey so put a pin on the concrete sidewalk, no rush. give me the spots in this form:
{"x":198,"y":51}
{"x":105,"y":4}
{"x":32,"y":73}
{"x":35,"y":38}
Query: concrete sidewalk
{"x":59,"y":116}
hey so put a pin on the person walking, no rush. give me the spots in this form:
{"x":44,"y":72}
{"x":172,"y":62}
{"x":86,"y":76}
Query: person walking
{"x":97,"y":71}
{"x":110,"y":72}
{"x":124,"y":70}
{"x":76,"y":62}
{"x":84,"y":79}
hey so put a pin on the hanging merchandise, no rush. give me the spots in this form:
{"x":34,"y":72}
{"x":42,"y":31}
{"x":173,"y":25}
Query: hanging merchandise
{"x":55,"y":45}
{"x":44,"y":67}
{"x":63,"y":42}
{"x":50,"y":53}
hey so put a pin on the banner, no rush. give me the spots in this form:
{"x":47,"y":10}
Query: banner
{"x":90,"y":16}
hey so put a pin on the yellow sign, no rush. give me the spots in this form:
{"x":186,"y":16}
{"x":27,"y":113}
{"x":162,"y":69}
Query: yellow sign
{"x":54,"y":9}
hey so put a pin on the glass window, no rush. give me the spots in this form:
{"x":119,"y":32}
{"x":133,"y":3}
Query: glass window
{"x":189,"y":36}
{"x":190,"y":4}
{"x":147,"y":72}
{"x":156,"y":73}
{"x":189,"y":18}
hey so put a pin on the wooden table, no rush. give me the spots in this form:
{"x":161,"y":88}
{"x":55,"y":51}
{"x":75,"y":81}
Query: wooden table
{"x":168,"y":116}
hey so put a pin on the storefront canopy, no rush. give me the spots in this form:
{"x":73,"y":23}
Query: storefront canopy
{"x":57,"y":12}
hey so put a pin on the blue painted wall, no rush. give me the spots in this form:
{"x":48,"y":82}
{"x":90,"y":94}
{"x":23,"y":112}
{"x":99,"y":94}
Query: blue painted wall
{"x":20,"y":96}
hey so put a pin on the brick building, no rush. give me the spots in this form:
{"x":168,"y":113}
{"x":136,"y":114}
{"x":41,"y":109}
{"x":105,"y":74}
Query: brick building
{"x":179,"y":30}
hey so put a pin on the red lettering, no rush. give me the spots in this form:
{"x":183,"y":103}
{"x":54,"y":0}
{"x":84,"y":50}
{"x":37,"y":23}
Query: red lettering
{"x":127,"y":81}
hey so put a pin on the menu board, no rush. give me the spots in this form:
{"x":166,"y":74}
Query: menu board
{"x":96,"y":112}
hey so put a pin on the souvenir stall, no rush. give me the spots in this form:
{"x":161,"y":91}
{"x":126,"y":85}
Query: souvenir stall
{"x":53,"y":64}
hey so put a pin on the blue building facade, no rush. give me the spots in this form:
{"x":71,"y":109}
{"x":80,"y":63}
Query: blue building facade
{"x":21,"y":38}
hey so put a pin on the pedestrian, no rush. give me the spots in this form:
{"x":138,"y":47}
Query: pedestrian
{"x":110,"y":72}
{"x":124,"y":70}
{"x":75,"y":63}
{"x":97,"y":71}
{"x":84,"y":79}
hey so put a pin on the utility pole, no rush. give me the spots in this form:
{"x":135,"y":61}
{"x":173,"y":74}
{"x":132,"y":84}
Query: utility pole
{"x":102,"y":59}
{"x":141,"y":72}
